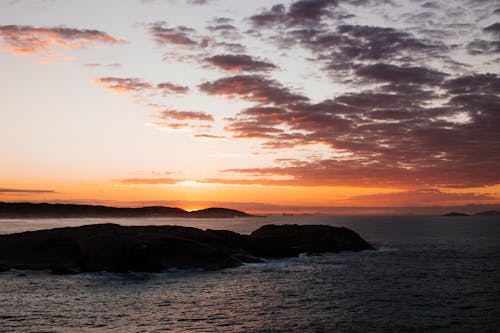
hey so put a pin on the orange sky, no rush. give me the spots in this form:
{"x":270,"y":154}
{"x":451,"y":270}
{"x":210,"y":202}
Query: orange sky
{"x":308,"y":106}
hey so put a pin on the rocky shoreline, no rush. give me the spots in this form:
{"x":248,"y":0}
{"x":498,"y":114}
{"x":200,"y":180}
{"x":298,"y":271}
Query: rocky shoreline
{"x":122,"y":249}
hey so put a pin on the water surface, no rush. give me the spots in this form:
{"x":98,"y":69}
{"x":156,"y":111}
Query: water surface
{"x":430,"y":274}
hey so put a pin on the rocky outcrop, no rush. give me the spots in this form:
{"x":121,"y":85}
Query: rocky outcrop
{"x":290,"y":240}
{"x":488,"y":213}
{"x":455,"y":214}
{"x":119,"y":249}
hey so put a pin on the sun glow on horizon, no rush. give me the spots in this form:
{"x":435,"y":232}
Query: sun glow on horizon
{"x":189,"y":107}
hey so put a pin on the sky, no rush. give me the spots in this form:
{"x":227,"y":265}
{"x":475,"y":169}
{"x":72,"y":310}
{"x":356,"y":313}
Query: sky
{"x":302,"y":106}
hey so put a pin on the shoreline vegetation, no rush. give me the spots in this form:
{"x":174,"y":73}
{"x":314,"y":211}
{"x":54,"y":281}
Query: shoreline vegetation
{"x":122,"y":249}
{"x":46,"y":210}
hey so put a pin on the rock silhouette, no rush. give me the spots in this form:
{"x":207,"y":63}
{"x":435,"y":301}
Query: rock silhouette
{"x":488,"y":213}
{"x":120,"y":249}
{"x":46,"y":210}
{"x":455,"y":214}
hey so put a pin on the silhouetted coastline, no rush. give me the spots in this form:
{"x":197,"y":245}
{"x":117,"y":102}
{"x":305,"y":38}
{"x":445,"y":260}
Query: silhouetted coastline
{"x":485,"y":213}
{"x":47,"y":210}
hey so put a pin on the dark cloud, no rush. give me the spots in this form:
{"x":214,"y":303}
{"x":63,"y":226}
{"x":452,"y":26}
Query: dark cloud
{"x":24,"y":39}
{"x":484,"y":46}
{"x":431,"y":5}
{"x":474,"y":84}
{"x":231,"y":47}
{"x":169,"y":88}
{"x":372,"y":173}
{"x":222,"y":27}
{"x":24,"y":191}
{"x":121,"y":85}
{"x":225,"y":30}
{"x":222,"y":20}
{"x":478,"y":47}
{"x":185,"y":115}
{"x":178,"y":36}
{"x":253,"y":88}
{"x":302,"y":12}
{"x":426,"y":196}
{"x":391,"y":139}
{"x":269,"y":17}
{"x":400,"y":75}
{"x":209,"y":136}
{"x":199,"y":2}
{"x":369,"y":43}
{"x":494,"y":28}
{"x":239,"y":63}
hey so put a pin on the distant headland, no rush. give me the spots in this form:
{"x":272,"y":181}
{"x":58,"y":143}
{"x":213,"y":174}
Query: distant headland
{"x":486,"y":213}
{"x":47,"y":210}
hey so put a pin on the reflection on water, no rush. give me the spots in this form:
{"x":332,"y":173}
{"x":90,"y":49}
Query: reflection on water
{"x":430,"y":274}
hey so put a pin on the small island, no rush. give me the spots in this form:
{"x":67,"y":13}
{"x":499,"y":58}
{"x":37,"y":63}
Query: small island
{"x":455,"y":214}
{"x":485,"y":213}
{"x":488,"y":213}
{"x":121,"y":249}
{"x":46,"y":210}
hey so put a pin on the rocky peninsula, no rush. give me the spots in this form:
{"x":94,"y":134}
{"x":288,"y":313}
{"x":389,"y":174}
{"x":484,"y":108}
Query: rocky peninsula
{"x":122,"y":249}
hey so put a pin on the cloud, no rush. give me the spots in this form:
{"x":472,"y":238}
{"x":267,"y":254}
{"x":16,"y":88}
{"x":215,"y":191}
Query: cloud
{"x":209,"y":136}
{"x":427,"y":196}
{"x":320,"y":26}
{"x":494,"y":28}
{"x":150,"y":181}
{"x":474,"y":84}
{"x":24,"y":191}
{"x":374,"y":173}
{"x":199,"y":2}
{"x":400,"y":75}
{"x":185,"y":115}
{"x":168,"y":88}
{"x":393,"y":135}
{"x":484,"y":46}
{"x":112,"y":66}
{"x":231,"y":47}
{"x":302,"y":12}
{"x":24,"y":39}
{"x":253,"y":88}
{"x":360,"y":43}
{"x":224,"y":30}
{"x":239,"y":63}
{"x":122,"y":85}
{"x":177,"y":36}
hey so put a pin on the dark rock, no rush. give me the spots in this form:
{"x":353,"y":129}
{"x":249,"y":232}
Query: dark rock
{"x":217,"y":213}
{"x":63,"y":269}
{"x":3,"y":268}
{"x":45,"y":210}
{"x":488,"y":213}
{"x":291,"y":240}
{"x":119,"y":249}
{"x":455,"y":214}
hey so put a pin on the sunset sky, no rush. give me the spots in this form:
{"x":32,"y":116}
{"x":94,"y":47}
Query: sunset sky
{"x":330,"y":106}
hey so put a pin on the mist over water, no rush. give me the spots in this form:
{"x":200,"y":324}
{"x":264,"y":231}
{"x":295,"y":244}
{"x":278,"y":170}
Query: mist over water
{"x":429,"y":274}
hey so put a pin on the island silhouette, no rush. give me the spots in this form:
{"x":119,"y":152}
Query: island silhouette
{"x":47,"y":210}
{"x":122,"y":249}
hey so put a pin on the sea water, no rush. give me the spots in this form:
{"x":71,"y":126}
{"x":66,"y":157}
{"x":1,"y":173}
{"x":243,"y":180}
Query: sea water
{"x":428,"y":274}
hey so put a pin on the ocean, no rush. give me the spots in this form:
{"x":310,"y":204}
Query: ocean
{"x":428,"y":274}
